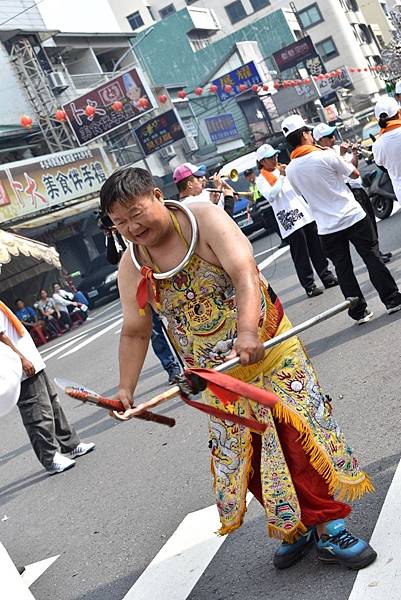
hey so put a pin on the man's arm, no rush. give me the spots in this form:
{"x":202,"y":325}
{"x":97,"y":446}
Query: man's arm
{"x":234,"y":252}
{"x":27,"y":366}
{"x":341,"y":167}
{"x":135,"y":333}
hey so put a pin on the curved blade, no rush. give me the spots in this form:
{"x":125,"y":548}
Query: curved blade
{"x":67,"y":383}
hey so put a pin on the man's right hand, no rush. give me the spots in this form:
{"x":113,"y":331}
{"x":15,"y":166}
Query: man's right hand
{"x":125,"y":397}
{"x":27,"y":367}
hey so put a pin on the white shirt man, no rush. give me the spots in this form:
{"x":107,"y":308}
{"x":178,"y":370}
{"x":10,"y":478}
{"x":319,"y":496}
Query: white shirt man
{"x":387,"y":148}
{"x":41,"y":411}
{"x":295,"y":221}
{"x":318,"y":175}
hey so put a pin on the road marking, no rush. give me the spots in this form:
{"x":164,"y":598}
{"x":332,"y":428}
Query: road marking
{"x":35,"y":570}
{"x":91,"y":339}
{"x":270,"y":259}
{"x":65,"y":345}
{"x":265,"y":251}
{"x":382,"y":579}
{"x":179,"y":565}
{"x":79,"y":334}
{"x":15,"y":586}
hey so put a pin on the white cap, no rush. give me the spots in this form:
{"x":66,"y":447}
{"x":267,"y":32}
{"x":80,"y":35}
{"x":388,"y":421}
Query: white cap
{"x":10,"y":379}
{"x":398,"y":87}
{"x":266,"y":151}
{"x":293,"y":123}
{"x":386,"y":105}
{"x":323,"y":130}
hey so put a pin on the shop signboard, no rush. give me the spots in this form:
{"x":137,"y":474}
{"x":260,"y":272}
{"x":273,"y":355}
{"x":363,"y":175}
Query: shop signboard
{"x":247,"y":74}
{"x":157,"y":133}
{"x":36,"y":184}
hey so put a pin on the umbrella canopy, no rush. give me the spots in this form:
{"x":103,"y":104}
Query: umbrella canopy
{"x":22,"y":260}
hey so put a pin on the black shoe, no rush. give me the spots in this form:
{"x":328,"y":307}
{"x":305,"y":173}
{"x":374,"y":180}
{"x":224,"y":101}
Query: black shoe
{"x":283,"y":244}
{"x":329,"y":283}
{"x":173,"y":374}
{"x":386,"y":254}
{"x":313,"y":291}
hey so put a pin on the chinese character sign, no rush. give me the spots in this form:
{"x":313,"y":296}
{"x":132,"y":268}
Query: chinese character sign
{"x":222,"y":128}
{"x":159,"y":132}
{"x":244,"y":75}
{"x":128,"y":88}
{"x":290,"y":56}
{"x":37,"y":184}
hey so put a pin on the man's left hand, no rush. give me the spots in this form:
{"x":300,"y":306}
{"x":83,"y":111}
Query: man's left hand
{"x":248,"y":347}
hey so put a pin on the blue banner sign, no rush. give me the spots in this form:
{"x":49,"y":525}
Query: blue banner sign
{"x":244,"y":75}
{"x":222,"y":128}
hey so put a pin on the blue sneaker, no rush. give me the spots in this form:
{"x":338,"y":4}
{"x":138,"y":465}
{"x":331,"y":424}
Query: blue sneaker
{"x":288,"y":554}
{"x":341,"y":547}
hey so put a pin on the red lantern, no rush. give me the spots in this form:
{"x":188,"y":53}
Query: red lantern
{"x":213,"y":88}
{"x":162,"y":98}
{"x":265,"y":87}
{"x":242,"y":87}
{"x":26,"y":122}
{"x":143,"y":103}
{"x":90,"y":110}
{"x":182,"y":94}
{"x":198,"y":91}
{"x":351,"y":70}
{"x":359,"y":70}
{"x":306,"y":81}
{"x":228,"y":88}
{"x":255,"y":87}
{"x":60,"y":115}
{"x":276,"y":85}
{"x":117,"y":106}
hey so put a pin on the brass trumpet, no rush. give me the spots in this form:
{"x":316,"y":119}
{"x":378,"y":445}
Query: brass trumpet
{"x":233,"y":175}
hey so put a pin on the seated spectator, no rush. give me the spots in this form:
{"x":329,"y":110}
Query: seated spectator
{"x":49,"y":313}
{"x":66,"y":305}
{"x":28,"y":317}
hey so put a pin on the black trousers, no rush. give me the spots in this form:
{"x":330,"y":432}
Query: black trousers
{"x":44,"y":419}
{"x":361,"y":196}
{"x":337,"y":248}
{"x":306,"y":248}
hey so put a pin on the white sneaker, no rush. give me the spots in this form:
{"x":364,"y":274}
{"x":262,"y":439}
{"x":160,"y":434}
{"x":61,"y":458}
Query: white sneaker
{"x":367,"y":315}
{"x":82,"y":449}
{"x":60,"y":463}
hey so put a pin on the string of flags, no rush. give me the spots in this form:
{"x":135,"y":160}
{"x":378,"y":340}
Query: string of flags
{"x":61,"y":116}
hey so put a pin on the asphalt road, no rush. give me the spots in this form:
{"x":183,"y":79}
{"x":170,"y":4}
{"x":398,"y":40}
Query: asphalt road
{"x":111,"y":514}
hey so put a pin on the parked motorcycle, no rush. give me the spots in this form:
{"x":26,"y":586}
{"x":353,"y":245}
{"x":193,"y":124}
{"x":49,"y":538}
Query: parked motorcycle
{"x":379,"y":189}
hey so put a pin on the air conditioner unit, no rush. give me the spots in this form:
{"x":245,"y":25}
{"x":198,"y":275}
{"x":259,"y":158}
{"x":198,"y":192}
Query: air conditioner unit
{"x":190,"y":144}
{"x":58,"y":80}
{"x":167,"y":152}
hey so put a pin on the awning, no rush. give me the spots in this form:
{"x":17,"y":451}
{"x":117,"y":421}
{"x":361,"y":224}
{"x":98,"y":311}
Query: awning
{"x":22,"y":259}
{"x":58,"y":215}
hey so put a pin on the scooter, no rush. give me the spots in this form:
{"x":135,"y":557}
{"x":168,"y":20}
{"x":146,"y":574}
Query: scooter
{"x":380,"y":191}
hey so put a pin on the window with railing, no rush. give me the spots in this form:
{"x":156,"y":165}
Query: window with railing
{"x":310,"y":16}
{"x":235,"y":11}
{"x":327,"y":49}
{"x":135,"y":20}
{"x":166,"y":11}
{"x":259,"y":4}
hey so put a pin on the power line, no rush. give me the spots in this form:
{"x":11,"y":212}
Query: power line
{"x":21,"y":13}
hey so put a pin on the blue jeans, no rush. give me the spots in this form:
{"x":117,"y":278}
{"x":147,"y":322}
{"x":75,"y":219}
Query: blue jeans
{"x":160,"y":345}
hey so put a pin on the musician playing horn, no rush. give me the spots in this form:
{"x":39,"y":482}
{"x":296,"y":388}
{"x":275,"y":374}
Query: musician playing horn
{"x":295,"y":221}
{"x":218,"y":306}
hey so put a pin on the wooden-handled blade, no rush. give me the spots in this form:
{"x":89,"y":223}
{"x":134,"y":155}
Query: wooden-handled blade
{"x":226,"y":366}
{"x":79,"y":392}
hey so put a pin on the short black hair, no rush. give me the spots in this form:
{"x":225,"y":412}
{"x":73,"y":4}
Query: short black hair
{"x":294,"y":139}
{"x":18,"y":300}
{"x":183,"y":184}
{"x":248,"y":172}
{"x":125,"y":185}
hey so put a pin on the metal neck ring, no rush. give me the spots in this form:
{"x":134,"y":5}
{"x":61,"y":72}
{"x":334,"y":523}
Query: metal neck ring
{"x":191,"y":249}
